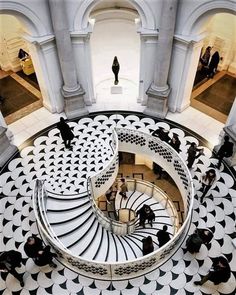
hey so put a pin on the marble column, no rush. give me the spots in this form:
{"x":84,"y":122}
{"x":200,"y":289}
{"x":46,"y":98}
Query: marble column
{"x":159,"y":90}
{"x":71,"y":90}
{"x":6,"y":148}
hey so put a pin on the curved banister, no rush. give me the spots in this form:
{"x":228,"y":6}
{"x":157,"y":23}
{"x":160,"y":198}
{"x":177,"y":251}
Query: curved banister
{"x":138,"y":266}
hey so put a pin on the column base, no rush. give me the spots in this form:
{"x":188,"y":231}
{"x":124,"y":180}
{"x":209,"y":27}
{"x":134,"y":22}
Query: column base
{"x":157,"y":103}
{"x":6,"y":148}
{"x":74,"y":103}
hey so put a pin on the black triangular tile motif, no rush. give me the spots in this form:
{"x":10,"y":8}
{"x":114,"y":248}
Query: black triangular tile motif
{"x":93,"y":169}
{"x":17,"y":245}
{"x":129,"y":286}
{"x":23,"y":217}
{"x":33,"y":292}
{"x":15,"y":211}
{"x":221,"y":205}
{"x":63,"y":285}
{"x":221,"y":242}
{"x":49,"y":289}
{"x":174,"y":276}
{"x":232,"y":216}
{"x":35,"y":276}
{"x":93,"y":286}
{"x":187,"y":263}
{"x":111,"y":287}
{"x":5,"y":221}
{"x":14,"y":227}
{"x":81,"y":292}
{"x":7,"y":204}
{"x":146,"y":281}
{"x":162,"y":273}
{"x":158,"y":286}
{"x":76,"y":280}
{"x":173,"y":291}
{"x":188,"y":278}
{"x":48,"y":274}
{"x":200,"y":262}
{"x":61,"y":272}
{"x":222,"y":222}
{"x":24,"y":232}
{"x":5,"y":240}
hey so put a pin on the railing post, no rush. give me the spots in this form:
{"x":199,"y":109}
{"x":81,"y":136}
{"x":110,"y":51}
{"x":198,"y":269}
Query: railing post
{"x":166,"y":203}
{"x":135,"y":184}
{"x":152,"y":192}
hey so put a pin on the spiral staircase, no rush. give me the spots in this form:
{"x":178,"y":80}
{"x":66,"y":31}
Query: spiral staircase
{"x":98,"y":246}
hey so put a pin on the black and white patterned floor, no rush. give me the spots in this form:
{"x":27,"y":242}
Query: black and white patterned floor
{"x":66,"y":171}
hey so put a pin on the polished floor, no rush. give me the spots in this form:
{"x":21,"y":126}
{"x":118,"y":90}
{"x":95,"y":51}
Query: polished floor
{"x":44,"y":156}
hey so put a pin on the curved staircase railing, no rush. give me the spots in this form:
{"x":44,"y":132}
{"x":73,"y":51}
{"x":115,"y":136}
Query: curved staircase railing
{"x":135,"y":142}
{"x":155,"y":192}
{"x":115,"y":226}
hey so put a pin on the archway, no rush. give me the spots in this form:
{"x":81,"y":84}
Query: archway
{"x":34,"y":36}
{"x":126,"y":12}
{"x":200,"y":29}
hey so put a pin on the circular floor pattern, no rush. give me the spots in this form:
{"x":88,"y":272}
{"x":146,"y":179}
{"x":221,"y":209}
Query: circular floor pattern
{"x":65,"y":172}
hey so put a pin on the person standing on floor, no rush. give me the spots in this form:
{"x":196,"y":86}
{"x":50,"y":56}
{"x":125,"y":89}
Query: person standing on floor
{"x":147,"y":245}
{"x":161,"y":133}
{"x":206,"y":56}
{"x":215,"y":59}
{"x":123,"y":188}
{"x":163,"y":236}
{"x":9,"y":260}
{"x":145,"y":213}
{"x":207,"y":181}
{"x":192,"y":154}
{"x":66,"y":132}
{"x":32,"y":246}
{"x":219,"y":273}
{"x":225,"y":151}
{"x":206,"y":235}
{"x":175,"y":143}
{"x":115,"y":69}
{"x":45,"y":257}
{"x":108,"y":195}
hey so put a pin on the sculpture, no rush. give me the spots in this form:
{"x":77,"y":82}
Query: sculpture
{"x":115,"y":69}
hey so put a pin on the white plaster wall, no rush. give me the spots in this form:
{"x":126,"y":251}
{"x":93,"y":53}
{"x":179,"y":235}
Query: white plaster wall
{"x":11,"y":42}
{"x":115,"y":38}
{"x":222,"y":32}
{"x":38,"y":20}
{"x":188,"y":10}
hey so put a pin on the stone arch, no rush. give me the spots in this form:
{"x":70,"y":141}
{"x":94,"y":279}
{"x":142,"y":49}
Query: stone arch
{"x":25,"y":15}
{"x":83,"y":12}
{"x":203,"y":11}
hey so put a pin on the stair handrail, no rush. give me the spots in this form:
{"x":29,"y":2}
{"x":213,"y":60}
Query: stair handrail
{"x":162,"y":194}
{"x":115,"y":226}
{"x":39,"y":206}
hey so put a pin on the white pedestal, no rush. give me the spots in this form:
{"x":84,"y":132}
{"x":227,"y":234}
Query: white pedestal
{"x":116,"y":89}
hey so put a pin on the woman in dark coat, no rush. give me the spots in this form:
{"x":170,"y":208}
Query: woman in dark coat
{"x":192,"y":154}
{"x":213,"y":64}
{"x":66,"y":133}
{"x":115,"y":69}
{"x":175,"y":143}
{"x":147,"y":245}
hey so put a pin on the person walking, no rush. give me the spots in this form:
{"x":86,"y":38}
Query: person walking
{"x":225,"y":151}
{"x":66,"y":132}
{"x":175,"y":143}
{"x":207,"y":181}
{"x":219,"y":273}
{"x":108,"y":195}
{"x":147,"y":245}
{"x":163,"y":236}
{"x":206,"y":56}
{"x":123,"y":188}
{"x":192,"y":154}
{"x":145,"y":213}
{"x":161,"y":133}
{"x":9,"y":260}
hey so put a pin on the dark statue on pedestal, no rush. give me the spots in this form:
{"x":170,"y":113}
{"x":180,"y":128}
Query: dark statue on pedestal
{"x":115,"y":69}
